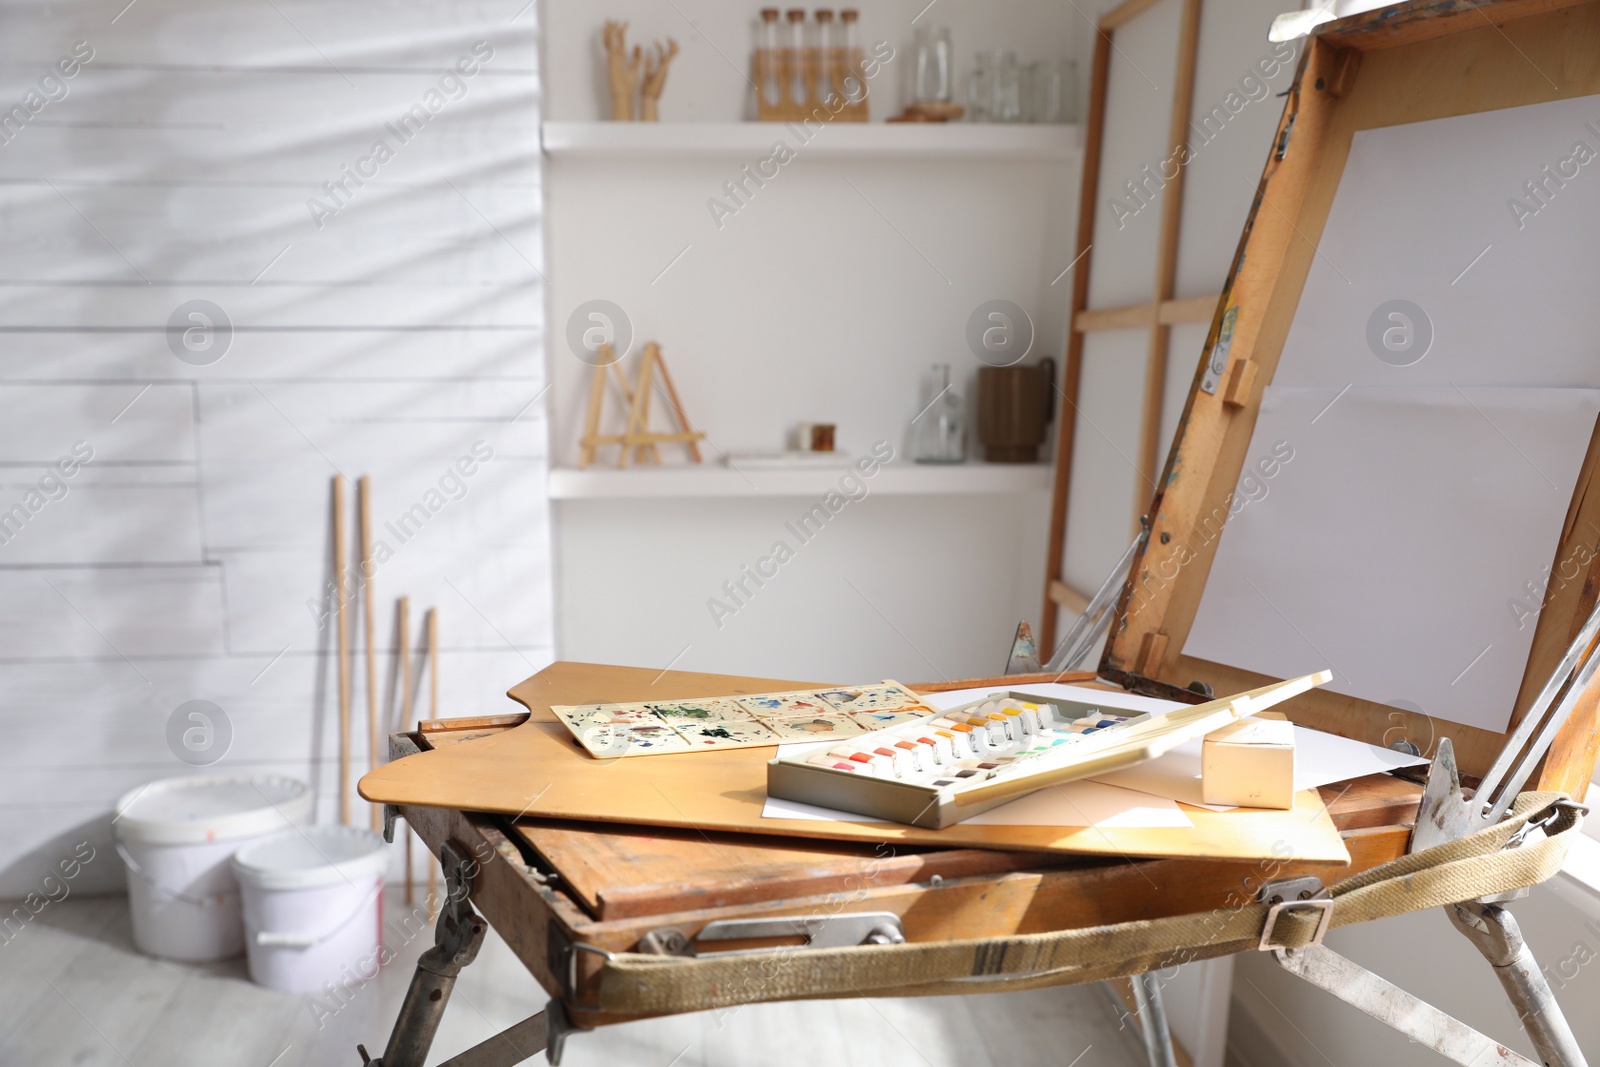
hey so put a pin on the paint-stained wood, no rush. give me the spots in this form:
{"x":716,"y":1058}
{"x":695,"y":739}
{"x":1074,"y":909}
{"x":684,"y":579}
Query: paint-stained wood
{"x":1421,"y":74}
{"x":538,"y":769}
{"x":1398,"y":25}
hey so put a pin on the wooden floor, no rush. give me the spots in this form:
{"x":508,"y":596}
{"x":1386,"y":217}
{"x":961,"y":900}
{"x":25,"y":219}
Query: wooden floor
{"x":74,"y":992}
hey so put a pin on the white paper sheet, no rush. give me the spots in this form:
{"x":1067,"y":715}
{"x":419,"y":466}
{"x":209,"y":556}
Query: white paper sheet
{"x":1396,"y":544}
{"x":1319,"y":759}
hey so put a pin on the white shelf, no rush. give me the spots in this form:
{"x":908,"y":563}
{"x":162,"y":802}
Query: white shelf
{"x":715,"y":480}
{"x":754,"y":140}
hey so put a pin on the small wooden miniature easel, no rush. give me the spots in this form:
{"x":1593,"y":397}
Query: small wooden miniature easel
{"x":636,"y":435}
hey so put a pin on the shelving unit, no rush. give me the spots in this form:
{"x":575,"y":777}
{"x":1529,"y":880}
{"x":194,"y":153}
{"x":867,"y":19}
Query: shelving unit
{"x":982,"y":141}
{"x":715,"y":480}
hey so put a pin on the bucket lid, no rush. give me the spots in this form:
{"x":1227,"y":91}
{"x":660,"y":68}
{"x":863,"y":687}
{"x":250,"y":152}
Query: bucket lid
{"x":312,"y":857}
{"x":204,"y":808}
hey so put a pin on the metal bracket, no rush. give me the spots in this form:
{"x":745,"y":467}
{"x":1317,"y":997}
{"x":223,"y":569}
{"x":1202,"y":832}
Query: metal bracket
{"x":390,"y":814}
{"x":1289,"y":889}
{"x":1219,"y":352}
{"x":817,"y":931}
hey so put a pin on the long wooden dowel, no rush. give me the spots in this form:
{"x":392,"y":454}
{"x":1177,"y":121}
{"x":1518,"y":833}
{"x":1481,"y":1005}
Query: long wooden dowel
{"x":433,"y":713}
{"x":368,"y":569}
{"x":343,"y":628}
{"x":403,"y":649}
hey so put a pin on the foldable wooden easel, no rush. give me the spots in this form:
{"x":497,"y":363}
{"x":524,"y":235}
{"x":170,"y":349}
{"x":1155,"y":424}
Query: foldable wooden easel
{"x":636,"y":437}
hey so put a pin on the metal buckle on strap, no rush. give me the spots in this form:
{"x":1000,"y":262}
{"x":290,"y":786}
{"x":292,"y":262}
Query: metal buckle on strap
{"x":1322,"y":905}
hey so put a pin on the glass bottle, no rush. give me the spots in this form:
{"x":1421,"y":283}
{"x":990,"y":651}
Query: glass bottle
{"x":939,"y":433}
{"x":826,"y":88}
{"x":1007,"y":106}
{"x":933,"y":60}
{"x":797,"y":56}
{"x":980,"y":89}
{"x":767,"y":65}
{"x":855,"y":85}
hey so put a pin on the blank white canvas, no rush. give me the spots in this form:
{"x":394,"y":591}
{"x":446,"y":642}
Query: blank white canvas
{"x":1393,"y":544}
{"x":1423,"y":214}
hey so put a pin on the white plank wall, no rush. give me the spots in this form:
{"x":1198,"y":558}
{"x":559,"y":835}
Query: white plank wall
{"x":189,"y":558}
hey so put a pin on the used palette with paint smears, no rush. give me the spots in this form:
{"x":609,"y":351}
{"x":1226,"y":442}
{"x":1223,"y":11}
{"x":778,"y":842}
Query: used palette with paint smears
{"x":648,"y":728}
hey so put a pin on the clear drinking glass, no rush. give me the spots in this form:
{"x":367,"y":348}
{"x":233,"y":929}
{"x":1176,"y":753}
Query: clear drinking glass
{"x":939,"y":434}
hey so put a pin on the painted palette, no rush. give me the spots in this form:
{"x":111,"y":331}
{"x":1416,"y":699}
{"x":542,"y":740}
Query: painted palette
{"x":607,"y":731}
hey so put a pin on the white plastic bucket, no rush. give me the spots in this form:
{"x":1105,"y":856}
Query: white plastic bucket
{"x":176,"y":837}
{"x":313,"y":907}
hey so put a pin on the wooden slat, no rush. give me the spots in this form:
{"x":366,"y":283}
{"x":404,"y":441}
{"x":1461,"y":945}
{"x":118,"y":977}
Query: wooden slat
{"x":1072,"y":372}
{"x":1122,"y":13}
{"x":1132,"y":316}
{"x":1189,"y":310}
{"x":1063,"y":594}
{"x":1007,"y":681}
{"x":1155,"y":374}
{"x":1127,"y":317}
{"x":625,"y":872}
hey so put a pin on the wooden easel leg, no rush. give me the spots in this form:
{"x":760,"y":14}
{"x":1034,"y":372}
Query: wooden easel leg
{"x":639,"y":412}
{"x":677,"y":407}
{"x":591,"y":422}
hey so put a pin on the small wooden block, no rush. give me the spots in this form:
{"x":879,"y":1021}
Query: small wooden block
{"x":1345,"y":65}
{"x":1241,"y":382}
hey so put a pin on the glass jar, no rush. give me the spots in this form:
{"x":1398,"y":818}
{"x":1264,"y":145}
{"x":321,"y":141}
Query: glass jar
{"x":980,"y":88}
{"x":939,"y":432}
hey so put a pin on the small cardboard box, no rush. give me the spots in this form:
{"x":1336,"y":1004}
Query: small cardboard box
{"x":1249,"y":764}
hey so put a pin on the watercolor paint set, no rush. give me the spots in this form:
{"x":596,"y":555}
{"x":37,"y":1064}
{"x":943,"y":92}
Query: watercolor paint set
{"x":951,"y":765}
{"x":911,"y":772}
{"x":653,"y":727}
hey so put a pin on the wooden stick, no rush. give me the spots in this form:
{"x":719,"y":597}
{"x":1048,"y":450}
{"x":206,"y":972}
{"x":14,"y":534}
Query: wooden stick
{"x":677,"y":406}
{"x":1155,"y":375}
{"x":433,"y":713}
{"x":343,"y":625}
{"x":1072,"y":369}
{"x":639,"y":422}
{"x":364,"y":532}
{"x":597,"y":394}
{"x":401,"y":644}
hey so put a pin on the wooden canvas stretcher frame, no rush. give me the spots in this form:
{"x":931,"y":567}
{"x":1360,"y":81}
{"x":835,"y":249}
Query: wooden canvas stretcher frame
{"x":1383,"y":68}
